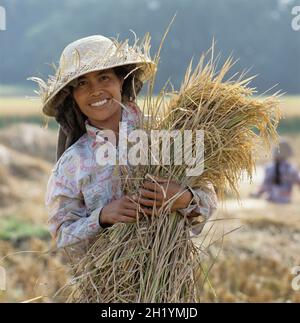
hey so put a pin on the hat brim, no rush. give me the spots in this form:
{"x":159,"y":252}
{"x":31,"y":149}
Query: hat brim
{"x":147,"y":70}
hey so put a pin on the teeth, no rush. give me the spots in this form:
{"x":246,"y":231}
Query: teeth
{"x":100,"y":103}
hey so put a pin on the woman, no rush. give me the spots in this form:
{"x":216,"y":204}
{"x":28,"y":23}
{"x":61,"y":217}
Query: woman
{"x":94,"y":89}
{"x":280,"y":176}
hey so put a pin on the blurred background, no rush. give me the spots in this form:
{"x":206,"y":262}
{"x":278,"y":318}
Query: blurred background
{"x":255,"y":260}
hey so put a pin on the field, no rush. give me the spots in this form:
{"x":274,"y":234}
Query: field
{"x":253,"y":245}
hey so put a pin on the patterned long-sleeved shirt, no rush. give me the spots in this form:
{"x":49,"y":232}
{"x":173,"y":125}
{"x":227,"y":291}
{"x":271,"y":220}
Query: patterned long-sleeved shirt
{"x":280,"y":193}
{"x":79,"y":188}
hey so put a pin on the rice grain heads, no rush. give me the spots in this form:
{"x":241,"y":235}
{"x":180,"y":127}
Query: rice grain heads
{"x":155,"y":259}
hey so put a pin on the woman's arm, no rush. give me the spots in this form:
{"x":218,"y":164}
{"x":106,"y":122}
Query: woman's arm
{"x":197,"y":204}
{"x":202,"y":206}
{"x":69,"y":220}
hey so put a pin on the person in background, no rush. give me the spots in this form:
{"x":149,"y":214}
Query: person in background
{"x":280,"y":176}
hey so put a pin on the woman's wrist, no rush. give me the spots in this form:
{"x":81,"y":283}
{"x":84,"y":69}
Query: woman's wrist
{"x":101,"y":223}
{"x":186,"y":198}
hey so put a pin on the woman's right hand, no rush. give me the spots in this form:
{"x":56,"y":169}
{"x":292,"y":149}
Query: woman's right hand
{"x":123,"y":210}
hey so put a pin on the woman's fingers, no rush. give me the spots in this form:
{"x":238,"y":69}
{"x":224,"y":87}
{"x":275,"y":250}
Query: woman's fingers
{"x":130,"y":199}
{"x":154,"y":187}
{"x":151,"y":195}
{"x":131,"y":205}
{"x":157,"y":179}
{"x":150,"y":202}
{"x":130,"y":213}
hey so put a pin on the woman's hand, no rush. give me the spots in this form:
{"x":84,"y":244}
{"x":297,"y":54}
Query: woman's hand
{"x":157,"y":191}
{"x":154,"y":192}
{"x":123,"y":210}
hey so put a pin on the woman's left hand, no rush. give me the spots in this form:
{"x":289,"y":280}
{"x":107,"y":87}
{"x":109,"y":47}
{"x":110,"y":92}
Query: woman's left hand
{"x":157,"y":191}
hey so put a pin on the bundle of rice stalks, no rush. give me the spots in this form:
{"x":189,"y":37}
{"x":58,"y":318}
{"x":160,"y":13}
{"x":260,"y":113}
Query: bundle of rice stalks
{"x":155,"y":260}
{"x":232,"y":120}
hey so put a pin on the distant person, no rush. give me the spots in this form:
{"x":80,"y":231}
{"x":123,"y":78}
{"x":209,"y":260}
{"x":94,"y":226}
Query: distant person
{"x":280,"y":176}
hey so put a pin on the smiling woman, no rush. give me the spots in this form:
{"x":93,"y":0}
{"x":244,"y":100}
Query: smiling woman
{"x":98,"y":96}
{"x":94,"y":90}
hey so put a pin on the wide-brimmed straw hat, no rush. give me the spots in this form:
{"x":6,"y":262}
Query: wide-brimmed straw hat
{"x":283,"y":150}
{"x":89,"y":54}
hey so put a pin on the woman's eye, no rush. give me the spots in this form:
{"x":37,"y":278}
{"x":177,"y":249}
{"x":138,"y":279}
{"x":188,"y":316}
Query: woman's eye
{"x":81,"y":83}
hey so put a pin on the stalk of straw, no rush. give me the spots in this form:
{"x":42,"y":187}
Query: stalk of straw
{"x":155,"y":260}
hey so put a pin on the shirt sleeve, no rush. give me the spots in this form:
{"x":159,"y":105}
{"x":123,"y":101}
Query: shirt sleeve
{"x":204,"y":203}
{"x":69,"y":220}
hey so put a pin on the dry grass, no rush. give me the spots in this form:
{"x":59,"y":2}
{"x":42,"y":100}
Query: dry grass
{"x":155,"y":260}
{"x":30,"y":139}
{"x":31,"y":271}
{"x":19,"y":106}
{"x":253,"y":265}
{"x":255,"y":262}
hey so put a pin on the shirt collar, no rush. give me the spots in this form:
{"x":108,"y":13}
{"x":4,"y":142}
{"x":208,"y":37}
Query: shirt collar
{"x":93,"y":131}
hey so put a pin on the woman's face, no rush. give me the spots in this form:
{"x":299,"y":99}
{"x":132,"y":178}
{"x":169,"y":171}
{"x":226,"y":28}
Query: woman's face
{"x":98,"y":94}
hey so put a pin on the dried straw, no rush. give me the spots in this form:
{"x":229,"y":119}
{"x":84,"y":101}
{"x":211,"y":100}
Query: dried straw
{"x":155,"y":260}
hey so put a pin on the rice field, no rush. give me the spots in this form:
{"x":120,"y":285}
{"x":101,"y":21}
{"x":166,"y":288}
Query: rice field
{"x":253,"y":244}
{"x":27,"y":109}
{"x":25,"y":106}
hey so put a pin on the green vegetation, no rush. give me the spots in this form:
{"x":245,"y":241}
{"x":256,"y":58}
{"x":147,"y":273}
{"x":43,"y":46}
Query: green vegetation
{"x":13,"y":228}
{"x":7,"y":121}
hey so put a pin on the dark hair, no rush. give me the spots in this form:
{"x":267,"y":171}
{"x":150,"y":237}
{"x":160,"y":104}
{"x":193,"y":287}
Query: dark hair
{"x":132,"y":84}
{"x":277,"y":178}
{"x":70,"y":117}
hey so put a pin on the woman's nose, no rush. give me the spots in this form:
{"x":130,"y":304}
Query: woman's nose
{"x":96,"y":92}
{"x":95,"y":89}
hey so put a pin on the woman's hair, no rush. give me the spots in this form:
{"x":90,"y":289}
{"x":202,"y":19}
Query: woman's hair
{"x":70,"y":117}
{"x":132,"y":84}
{"x":277,"y":178}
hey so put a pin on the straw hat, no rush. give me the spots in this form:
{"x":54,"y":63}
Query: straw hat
{"x":283,"y":150}
{"x":90,"y":54}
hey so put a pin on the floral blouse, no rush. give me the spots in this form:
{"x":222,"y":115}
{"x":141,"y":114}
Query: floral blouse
{"x":79,"y":188}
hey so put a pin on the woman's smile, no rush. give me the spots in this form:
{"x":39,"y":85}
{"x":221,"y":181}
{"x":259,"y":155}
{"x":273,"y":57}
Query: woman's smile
{"x":98,"y":96}
{"x":100,"y":103}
